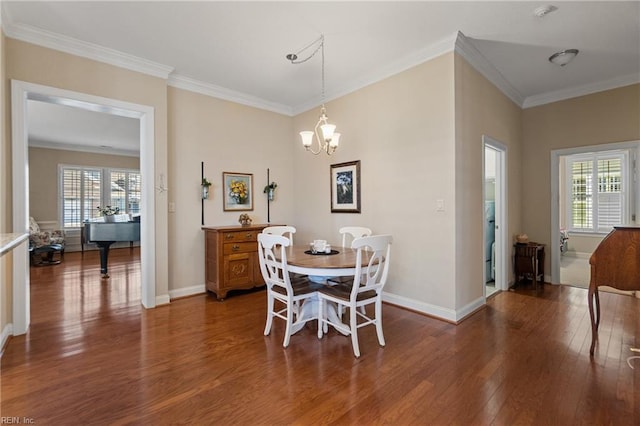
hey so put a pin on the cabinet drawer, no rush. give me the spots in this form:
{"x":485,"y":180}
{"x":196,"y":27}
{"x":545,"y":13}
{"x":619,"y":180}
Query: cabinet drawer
{"x":239,"y":236}
{"x":230,"y":248}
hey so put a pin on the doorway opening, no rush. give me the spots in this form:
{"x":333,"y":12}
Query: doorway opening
{"x":494,"y":216}
{"x":583,"y":213}
{"x":21,"y":92}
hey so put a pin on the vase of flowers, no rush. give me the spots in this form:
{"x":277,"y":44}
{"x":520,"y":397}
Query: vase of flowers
{"x":205,"y":188}
{"x":108,"y":212}
{"x":270,"y":190}
{"x":238,"y":191}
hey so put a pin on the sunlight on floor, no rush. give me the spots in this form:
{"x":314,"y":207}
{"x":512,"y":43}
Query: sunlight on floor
{"x":575,"y":271}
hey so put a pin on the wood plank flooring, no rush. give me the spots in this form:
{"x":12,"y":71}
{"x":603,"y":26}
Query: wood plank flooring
{"x":94,"y":356}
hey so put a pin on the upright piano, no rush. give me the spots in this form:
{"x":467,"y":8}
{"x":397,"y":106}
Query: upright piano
{"x":614,"y":263}
{"x":106,"y":233}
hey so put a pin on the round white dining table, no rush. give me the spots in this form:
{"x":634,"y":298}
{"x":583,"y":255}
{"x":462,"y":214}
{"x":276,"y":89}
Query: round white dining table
{"x":340,"y":264}
{"x":325,"y":265}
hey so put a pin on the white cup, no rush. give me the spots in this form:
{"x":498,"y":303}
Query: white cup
{"x":319,"y":245}
{"x":327,"y":248}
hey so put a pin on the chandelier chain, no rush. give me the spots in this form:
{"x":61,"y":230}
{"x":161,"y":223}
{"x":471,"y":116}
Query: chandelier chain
{"x":302,"y":61}
{"x":320,"y":47}
{"x":326,"y":139}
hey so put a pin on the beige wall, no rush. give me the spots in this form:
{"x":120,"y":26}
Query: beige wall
{"x":43,"y":176}
{"x":402,"y":131}
{"x":35,"y":64}
{"x":481,"y":109}
{"x":417,"y":135}
{"x":5,"y":191}
{"x":227,"y":137}
{"x":599,"y":118}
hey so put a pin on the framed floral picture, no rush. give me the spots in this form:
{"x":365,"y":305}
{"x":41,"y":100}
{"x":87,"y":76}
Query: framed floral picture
{"x":345,"y":187}
{"x":238,"y":191}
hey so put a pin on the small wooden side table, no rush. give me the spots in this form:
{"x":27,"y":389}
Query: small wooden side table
{"x":529,"y":262}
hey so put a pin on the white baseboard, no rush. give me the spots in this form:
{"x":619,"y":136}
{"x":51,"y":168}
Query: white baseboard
{"x":187,"y":291}
{"x":425,"y":308}
{"x":162,"y":300}
{"x":579,"y":255}
{"x":470,"y":308}
{"x":6,"y":332}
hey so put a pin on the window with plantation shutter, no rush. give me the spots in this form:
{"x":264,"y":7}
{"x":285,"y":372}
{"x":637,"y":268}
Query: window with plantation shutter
{"x":610,"y":202}
{"x":84,"y":189}
{"x":598,"y":197}
{"x":81,"y":190}
{"x":125,"y":190}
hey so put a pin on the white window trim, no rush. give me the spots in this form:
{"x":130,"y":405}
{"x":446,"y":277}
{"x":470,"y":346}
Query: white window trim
{"x":105,"y":196}
{"x":628,"y":188}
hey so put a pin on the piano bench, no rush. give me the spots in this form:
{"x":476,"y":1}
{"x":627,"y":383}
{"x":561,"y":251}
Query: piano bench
{"x":44,"y":255}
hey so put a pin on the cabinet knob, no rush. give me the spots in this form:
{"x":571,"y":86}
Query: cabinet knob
{"x":249,"y":235}
{"x":229,"y":236}
{"x":235,"y":247}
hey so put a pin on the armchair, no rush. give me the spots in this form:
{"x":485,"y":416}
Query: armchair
{"x":43,"y":245}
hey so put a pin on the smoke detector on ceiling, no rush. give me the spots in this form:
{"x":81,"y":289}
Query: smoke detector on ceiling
{"x":543,"y":11}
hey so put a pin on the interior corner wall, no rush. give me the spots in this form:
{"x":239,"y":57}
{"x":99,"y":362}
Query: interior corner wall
{"x":402,"y":131}
{"x":600,"y":118}
{"x":227,"y":137}
{"x":40,"y":65}
{"x":481,"y":109}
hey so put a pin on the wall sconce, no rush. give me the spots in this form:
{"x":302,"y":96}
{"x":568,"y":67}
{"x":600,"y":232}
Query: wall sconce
{"x":205,"y":188}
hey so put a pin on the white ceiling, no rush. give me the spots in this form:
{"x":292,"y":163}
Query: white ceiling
{"x":236,"y":50}
{"x":75,"y":129}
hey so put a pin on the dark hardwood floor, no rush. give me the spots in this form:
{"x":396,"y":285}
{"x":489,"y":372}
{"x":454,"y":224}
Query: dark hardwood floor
{"x":94,"y":356}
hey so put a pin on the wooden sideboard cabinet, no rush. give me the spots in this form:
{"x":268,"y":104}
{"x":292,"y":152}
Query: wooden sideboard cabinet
{"x":231,"y":258}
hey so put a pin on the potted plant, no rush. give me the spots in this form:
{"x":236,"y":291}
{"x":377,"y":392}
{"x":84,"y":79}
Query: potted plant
{"x":270,"y":189}
{"x":108,"y":212}
{"x":205,"y":188}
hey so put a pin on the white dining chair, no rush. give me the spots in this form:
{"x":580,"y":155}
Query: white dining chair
{"x":368,"y":283}
{"x":349,"y":234}
{"x":353,"y":232}
{"x":284,"y":294}
{"x":286,"y":231}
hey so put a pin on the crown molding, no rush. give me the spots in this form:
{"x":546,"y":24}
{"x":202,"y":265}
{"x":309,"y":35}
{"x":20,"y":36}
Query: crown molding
{"x":586,"y":89}
{"x":466,"y":49}
{"x":197,"y":86}
{"x":426,"y":54}
{"x":84,"y":49}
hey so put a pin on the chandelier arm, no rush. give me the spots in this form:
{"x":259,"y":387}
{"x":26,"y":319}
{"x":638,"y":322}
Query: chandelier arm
{"x":318,"y":139}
